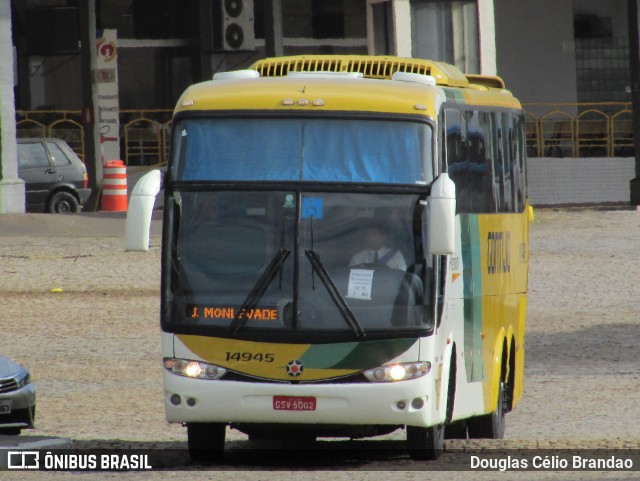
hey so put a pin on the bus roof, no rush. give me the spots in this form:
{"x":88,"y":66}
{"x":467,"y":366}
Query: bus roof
{"x":355,"y":83}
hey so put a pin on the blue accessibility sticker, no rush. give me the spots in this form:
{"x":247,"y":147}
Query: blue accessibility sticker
{"x":312,"y":207}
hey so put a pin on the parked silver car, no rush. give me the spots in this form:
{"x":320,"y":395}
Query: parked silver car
{"x":17,"y":398}
{"x":55,"y":178}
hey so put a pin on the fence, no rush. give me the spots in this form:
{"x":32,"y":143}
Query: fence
{"x":553,"y":130}
{"x":144,"y":138}
{"x":602,"y":129}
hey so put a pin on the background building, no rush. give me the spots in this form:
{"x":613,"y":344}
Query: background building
{"x":547,"y":51}
{"x":554,"y":56}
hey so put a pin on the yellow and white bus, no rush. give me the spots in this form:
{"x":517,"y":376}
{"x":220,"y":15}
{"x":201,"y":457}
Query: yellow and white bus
{"x":345,"y":253}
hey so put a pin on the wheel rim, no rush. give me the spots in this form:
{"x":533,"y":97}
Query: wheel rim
{"x":64,"y":207}
{"x":499,"y":415}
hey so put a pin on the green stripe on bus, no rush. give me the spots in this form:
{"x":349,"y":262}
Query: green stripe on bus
{"x":471,"y":255}
{"x":355,"y":355}
{"x":472,"y":278}
{"x":453,"y":95}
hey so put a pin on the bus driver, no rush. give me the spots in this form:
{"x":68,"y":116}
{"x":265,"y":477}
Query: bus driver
{"x":377,"y":252}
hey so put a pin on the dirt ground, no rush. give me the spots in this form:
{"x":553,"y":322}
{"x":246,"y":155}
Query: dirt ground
{"x":82,"y":315}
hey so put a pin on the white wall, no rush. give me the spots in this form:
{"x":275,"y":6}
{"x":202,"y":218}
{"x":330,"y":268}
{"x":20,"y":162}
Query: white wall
{"x":554,"y":181}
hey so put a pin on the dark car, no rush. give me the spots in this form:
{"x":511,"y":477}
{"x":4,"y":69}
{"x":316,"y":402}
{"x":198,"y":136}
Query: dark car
{"x":55,"y":178}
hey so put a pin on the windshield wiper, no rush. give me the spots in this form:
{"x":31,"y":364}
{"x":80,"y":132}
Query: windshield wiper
{"x":261,"y":286}
{"x":258,"y":290}
{"x":334,"y":292}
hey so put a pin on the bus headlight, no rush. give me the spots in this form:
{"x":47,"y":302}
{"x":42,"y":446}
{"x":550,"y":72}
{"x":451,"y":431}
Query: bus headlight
{"x":398,"y":372}
{"x":193,"y":369}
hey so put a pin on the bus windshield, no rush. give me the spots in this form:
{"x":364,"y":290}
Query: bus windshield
{"x":246,"y":256}
{"x":316,"y":150}
{"x":244,"y":261}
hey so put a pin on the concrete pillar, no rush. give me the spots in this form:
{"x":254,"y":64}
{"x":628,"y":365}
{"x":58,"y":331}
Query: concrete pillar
{"x":391,"y":34}
{"x":87,"y":18}
{"x":402,"y":27}
{"x":487,"y":31}
{"x":11,"y":187}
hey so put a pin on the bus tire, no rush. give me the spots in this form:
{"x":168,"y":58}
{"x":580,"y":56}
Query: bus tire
{"x":457,"y":430}
{"x":425,"y":444}
{"x":511,"y":379}
{"x":206,"y":441}
{"x":490,"y":426}
{"x":453,"y":430}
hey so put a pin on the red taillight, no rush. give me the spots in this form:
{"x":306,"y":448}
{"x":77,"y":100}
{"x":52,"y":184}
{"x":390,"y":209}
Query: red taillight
{"x":86,"y":180}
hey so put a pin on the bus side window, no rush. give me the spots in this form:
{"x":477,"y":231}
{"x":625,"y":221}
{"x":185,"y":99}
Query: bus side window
{"x":505,"y":140}
{"x":498,"y":163}
{"x":480,"y":175}
{"x":517,"y":162}
{"x":492,"y":197}
{"x":456,"y":156}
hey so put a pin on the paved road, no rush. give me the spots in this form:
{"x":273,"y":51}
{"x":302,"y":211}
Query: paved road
{"x":93,"y":350}
{"x":85,"y":224}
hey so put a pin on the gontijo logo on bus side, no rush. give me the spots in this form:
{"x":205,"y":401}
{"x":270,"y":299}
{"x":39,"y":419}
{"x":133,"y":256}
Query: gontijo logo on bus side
{"x":498,"y":252}
{"x":302,"y":361}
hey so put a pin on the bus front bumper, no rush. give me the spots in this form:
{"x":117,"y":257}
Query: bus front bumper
{"x":408,"y":402}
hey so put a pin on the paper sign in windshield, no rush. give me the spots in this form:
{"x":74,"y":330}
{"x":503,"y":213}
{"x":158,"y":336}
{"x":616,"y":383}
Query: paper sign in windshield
{"x":360,"y":282}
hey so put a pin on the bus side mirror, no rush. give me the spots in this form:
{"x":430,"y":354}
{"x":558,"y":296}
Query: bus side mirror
{"x":442,"y":216}
{"x":138,"y":223}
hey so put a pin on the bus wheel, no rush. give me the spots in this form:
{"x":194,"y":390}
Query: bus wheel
{"x":206,"y":441}
{"x":425,"y":443}
{"x":457,"y":430}
{"x":492,"y":425}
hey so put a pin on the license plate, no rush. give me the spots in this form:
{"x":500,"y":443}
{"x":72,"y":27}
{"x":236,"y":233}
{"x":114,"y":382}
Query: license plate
{"x":294,"y":403}
{"x":5,"y":406}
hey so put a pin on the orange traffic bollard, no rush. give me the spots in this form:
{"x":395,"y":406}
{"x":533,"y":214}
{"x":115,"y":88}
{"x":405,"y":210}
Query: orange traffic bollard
{"x":114,"y":186}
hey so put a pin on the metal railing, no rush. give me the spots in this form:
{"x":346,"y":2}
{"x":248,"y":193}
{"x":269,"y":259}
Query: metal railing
{"x":553,"y":130}
{"x":144,"y":134}
{"x":63,"y":124}
{"x":602,"y":129}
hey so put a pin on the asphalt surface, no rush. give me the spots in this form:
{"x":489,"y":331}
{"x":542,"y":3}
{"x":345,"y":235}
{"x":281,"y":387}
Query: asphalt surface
{"x":581,"y":378}
{"x":85,"y":224}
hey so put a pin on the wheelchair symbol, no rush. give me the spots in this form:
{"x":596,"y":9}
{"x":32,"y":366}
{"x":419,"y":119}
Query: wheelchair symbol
{"x":312,"y":207}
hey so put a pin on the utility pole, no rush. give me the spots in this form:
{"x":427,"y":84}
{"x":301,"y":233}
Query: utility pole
{"x":203,"y":69}
{"x":634,"y":64}
{"x":92,"y":157}
{"x":273,"y":44}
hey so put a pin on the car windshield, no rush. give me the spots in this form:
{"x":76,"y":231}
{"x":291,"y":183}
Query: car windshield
{"x":322,"y":150}
{"x":283,"y":260}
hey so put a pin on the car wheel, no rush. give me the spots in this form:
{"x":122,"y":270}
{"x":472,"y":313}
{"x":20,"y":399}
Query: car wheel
{"x":63,"y":203}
